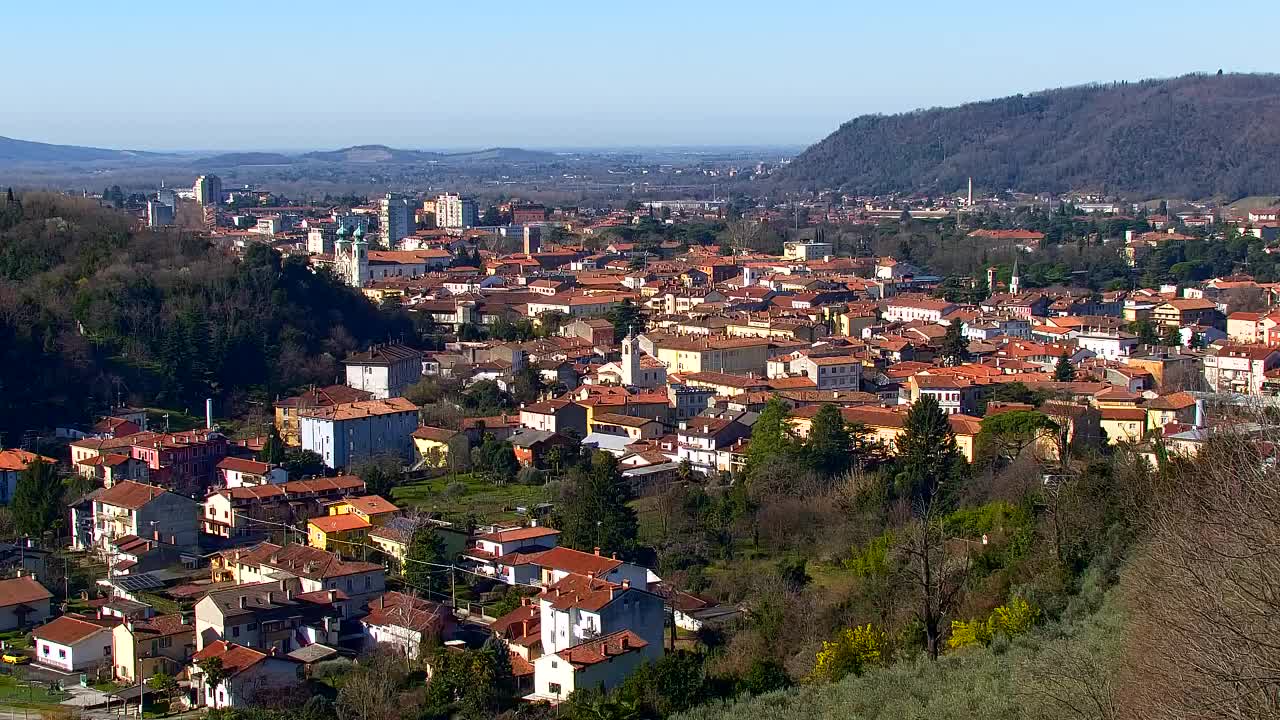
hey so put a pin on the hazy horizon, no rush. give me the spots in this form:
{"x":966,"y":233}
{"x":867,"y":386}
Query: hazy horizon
{"x":244,"y":77}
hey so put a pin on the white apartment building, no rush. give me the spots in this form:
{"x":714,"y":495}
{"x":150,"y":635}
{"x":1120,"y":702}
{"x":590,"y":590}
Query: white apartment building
{"x":455,"y":211}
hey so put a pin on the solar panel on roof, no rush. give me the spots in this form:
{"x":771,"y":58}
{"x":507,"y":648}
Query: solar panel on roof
{"x":137,"y":583}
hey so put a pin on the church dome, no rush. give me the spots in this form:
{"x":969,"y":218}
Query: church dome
{"x":359,"y":232}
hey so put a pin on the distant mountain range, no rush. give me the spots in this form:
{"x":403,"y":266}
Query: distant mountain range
{"x":26,"y":151}
{"x":1193,"y":136}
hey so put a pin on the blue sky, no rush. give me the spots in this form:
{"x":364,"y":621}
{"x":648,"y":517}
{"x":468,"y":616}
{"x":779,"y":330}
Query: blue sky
{"x":320,"y":74}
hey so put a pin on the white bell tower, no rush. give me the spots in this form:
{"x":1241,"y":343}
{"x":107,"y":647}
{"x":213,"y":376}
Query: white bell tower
{"x":630,"y":360}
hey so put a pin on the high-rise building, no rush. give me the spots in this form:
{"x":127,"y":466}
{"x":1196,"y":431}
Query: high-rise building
{"x":396,"y":218}
{"x":159,"y":214}
{"x":455,"y":211}
{"x":208,"y":190}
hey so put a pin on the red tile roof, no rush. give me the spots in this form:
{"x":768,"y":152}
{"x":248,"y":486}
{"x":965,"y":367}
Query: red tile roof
{"x":68,"y":630}
{"x":18,"y":460}
{"x":524,"y":533}
{"x":129,"y":494}
{"x":23,"y":589}
{"x":339,"y":523}
{"x":603,"y":648}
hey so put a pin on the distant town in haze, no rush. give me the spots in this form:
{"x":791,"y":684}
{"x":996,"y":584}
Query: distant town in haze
{"x":963,"y":413}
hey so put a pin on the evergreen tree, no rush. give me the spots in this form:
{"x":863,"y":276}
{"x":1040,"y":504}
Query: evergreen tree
{"x":273,"y":450}
{"x":1064,"y":371}
{"x":425,"y":546}
{"x":770,"y":435}
{"x":37,"y":499}
{"x":627,"y":318}
{"x":593,"y":510}
{"x":928,"y":463}
{"x":1171,"y":337}
{"x":829,"y":446}
{"x":955,"y":346}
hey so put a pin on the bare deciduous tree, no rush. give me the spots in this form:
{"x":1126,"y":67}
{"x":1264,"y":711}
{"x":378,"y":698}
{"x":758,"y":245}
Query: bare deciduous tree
{"x":1204,"y":593}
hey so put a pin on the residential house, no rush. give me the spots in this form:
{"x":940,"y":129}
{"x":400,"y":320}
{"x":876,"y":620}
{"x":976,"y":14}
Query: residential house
{"x":72,"y":643}
{"x":239,"y":472}
{"x":905,"y":308}
{"x":159,"y":644}
{"x":385,"y":371}
{"x":520,"y":546}
{"x":1239,"y":368}
{"x":286,"y":411}
{"x":316,"y":570}
{"x":12,"y":463}
{"x":630,"y":426}
{"x":700,"y":439}
{"x":242,"y":511}
{"x":406,"y":623}
{"x":344,"y":434}
{"x":555,"y":416}
{"x":953,"y":394}
{"x":1123,"y":424}
{"x":1180,"y":312}
{"x":577,"y":608}
{"x":392,"y":539}
{"x":531,"y":446}
{"x":830,"y":372}
{"x":724,"y":355}
{"x":1177,"y":407}
{"x":604,"y":662}
{"x":251,"y":675}
{"x":146,"y":511}
{"x":23,"y":602}
{"x":269,"y":615}
{"x":434,"y":445}
{"x":185,"y":461}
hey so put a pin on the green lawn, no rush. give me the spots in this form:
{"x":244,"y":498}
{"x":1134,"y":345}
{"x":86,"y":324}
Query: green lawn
{"x":16,"y":639}
{"x":489,"y":502}
{"x":18,"y":693}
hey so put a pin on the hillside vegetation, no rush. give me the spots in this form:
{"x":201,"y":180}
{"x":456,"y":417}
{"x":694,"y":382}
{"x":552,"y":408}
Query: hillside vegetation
{"x":94,"y":310}
{"x":1192,"y":136}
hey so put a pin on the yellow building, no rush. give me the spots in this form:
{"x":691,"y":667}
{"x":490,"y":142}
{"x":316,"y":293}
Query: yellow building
{"x":286,"y":415}
{"x":885,"y":425}
{"x":373,"y":509}
{"x":433,"y":443}
{"x":344,"y":534}
{"x":726,"y":355}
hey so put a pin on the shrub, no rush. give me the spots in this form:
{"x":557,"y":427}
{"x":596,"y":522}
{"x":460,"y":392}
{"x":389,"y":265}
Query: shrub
{"x":853,"y":651}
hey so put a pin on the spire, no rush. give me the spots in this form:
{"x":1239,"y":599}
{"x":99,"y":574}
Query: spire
{"x":1015,"y":283}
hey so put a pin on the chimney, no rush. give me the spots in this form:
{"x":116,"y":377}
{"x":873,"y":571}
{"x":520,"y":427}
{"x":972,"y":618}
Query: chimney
{"x":613,"y":555}
{"x":1199,"y":413}
{"x":271,"y":597}
{"x":597,"y":551}
{"x":156,"y":534}
{"x":626,"y":583}
{"x":622,"y":642}
{"x":243,"y":601}
{"x":208,"y":413}
{"x":591,"y":575}
{"x":288,"y":594}
{"x":382,"y":600}
{"x":284,"y":584}
{"x":333,"y":596}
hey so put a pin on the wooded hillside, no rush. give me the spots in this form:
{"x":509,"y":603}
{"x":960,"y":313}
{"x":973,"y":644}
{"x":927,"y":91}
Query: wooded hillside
{"x":1192,"y":136}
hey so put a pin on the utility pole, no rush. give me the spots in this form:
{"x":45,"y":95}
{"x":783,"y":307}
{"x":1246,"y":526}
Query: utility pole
{"x":453,"y":587}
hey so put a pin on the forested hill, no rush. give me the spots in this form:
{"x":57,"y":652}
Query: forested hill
{"x":1193,"y":136}
{"x":93,"y":309}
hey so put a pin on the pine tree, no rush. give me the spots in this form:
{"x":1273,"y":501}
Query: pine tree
{"x":37,"y":499}
{"x":425,"y":546}
{"x":1172,"y":336}
{"x":1064,"y":371}
{"x":955,"y":346}
{"x":928,"y":463}
{"x":829,"y":445}
{"x":593,"y":511}
{"x":770,"y":435}
{"x":273,"y":450}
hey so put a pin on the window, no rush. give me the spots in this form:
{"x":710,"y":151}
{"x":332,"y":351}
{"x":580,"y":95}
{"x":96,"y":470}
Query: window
{"x":166,"y":642}
{"x":235,"y":631}
{"x":553,"y":688}
{"x":555,"y":664}
{"x":44,"y":650}
{"x":251,"y":627}
{"x":62,"y":653}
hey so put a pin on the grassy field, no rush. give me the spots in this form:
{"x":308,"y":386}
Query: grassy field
{"x":469,"y":495}
{"x":19,"y":693}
